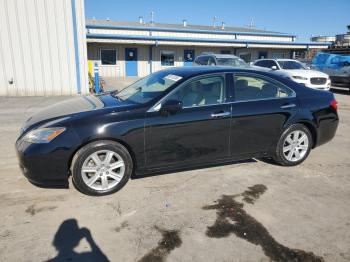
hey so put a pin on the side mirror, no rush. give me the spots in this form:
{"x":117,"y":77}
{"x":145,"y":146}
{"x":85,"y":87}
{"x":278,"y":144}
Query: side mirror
{"x":274,"y":67}
{"x":171,"y":106}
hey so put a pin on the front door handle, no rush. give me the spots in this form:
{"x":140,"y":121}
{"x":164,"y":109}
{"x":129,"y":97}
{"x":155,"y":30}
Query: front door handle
{"x":288,"y":106}
{"x":221,"y":114}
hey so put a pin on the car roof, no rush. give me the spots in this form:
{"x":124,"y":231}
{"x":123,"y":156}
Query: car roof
{"x":276,"y":59}
{"x":219,"y":55}
{"x":286,"y":59}
{"x":265,"y":59}
{"x":190,"y":71}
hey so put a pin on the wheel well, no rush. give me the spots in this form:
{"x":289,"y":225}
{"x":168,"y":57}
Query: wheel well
{"x":101,"y":139}
{"x":313,"y":132}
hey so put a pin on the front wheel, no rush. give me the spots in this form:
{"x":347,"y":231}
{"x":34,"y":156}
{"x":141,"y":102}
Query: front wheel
{"x":293,"y":146}
{"x":101,"y":168}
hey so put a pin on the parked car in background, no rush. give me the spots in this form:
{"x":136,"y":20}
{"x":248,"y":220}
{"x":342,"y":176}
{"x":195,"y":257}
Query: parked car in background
{"x":172,"y":119}
{"x":335,"y":65}
{"x":220,"y":60}
{"x":295,"y":71}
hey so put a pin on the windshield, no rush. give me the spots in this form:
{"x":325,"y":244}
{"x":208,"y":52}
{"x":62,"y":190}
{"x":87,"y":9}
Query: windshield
{"x":237,"y":62}
{"x":289,"y":64}
{"x":148,"y":88}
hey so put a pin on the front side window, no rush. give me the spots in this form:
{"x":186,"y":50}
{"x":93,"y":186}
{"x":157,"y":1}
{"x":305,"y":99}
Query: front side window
{"x":203,"y":60}
{"x":147,"y":88}
{"x":205,"y":91}
{"x":266,"y":63}
{"x":167,"y":58}
{"x":261,"y":63}
{"x":108,"y":57}
{"x":255,"y":88}
{"x":321,"y":58}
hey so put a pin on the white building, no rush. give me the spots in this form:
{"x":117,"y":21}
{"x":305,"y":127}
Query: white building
{"x":138,"y":49}
{"x":45,"y":46}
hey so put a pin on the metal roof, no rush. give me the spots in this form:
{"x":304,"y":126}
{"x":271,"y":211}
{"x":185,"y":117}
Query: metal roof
{"x":92,"y":23}
{"x":185,"y":39}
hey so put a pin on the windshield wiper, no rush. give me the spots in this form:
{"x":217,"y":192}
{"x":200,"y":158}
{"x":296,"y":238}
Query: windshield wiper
{"x":114,"y":94}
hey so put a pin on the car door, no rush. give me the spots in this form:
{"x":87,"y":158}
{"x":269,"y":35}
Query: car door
{"x":261,"y":108}
{"x":198,"y":133}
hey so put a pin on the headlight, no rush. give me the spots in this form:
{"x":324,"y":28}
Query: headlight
{"x":43,"y":135}
{"x":300,"y":77}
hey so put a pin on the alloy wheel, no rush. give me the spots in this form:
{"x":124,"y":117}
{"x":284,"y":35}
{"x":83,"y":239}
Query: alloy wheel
{"x":295,"y":146}
{"x":103,"y":170}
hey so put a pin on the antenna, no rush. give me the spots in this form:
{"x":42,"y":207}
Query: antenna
{"x":251,"y":23}
{"x":152,"y":17}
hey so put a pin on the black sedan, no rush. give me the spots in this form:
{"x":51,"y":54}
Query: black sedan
{"x":174,"y":119}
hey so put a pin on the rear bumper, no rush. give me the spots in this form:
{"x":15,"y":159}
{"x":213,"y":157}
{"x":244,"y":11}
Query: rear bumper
{"x":327,"y":128}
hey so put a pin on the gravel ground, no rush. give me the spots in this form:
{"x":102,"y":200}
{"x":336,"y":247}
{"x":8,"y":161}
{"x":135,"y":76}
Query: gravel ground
{"x":247,"y":211}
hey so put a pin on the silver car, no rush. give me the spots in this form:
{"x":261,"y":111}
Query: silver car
{"x":220,"y":60}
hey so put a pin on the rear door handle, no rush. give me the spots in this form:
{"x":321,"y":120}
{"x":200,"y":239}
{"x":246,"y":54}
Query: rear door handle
{"x":221,"y":114}
{"x":288,"y":106}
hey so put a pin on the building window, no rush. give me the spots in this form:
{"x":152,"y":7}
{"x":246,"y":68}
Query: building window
{"x":167,"y":58}
{"x":108,"y":57}
{"x":262,"y":55}
{"x":277,"y":55}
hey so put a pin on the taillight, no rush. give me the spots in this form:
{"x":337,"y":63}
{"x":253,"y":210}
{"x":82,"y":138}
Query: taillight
{"x":334,"y":104}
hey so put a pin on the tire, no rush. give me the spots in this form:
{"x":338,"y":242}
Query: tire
{"x":286,"y":157}
{"x":101,"y":168}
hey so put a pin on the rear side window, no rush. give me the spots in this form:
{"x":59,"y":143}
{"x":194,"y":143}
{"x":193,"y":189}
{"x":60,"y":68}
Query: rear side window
{"x":255,"y":88}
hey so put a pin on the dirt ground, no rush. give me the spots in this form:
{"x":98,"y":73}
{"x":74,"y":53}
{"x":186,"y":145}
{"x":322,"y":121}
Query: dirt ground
{"x":247,"y":211}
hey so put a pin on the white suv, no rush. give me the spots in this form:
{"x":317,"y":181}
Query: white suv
{"x":296,"y":71}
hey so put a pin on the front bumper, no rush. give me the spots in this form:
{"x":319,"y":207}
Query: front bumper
{"x":44,"y":165}
{"x":307,"y":83}
{"x":340,"y":79}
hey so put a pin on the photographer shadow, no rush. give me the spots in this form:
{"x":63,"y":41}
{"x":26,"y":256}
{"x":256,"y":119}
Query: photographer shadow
{"x":68,"y":237}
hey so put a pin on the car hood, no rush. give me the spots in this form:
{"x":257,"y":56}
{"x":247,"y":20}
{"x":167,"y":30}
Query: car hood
{"x":75,"y":106}
{"x":304,"y":73}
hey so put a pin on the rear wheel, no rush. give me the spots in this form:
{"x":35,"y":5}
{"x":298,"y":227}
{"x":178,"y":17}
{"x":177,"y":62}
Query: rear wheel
{"x":101,"y":168}
{"x":293,"y":146}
